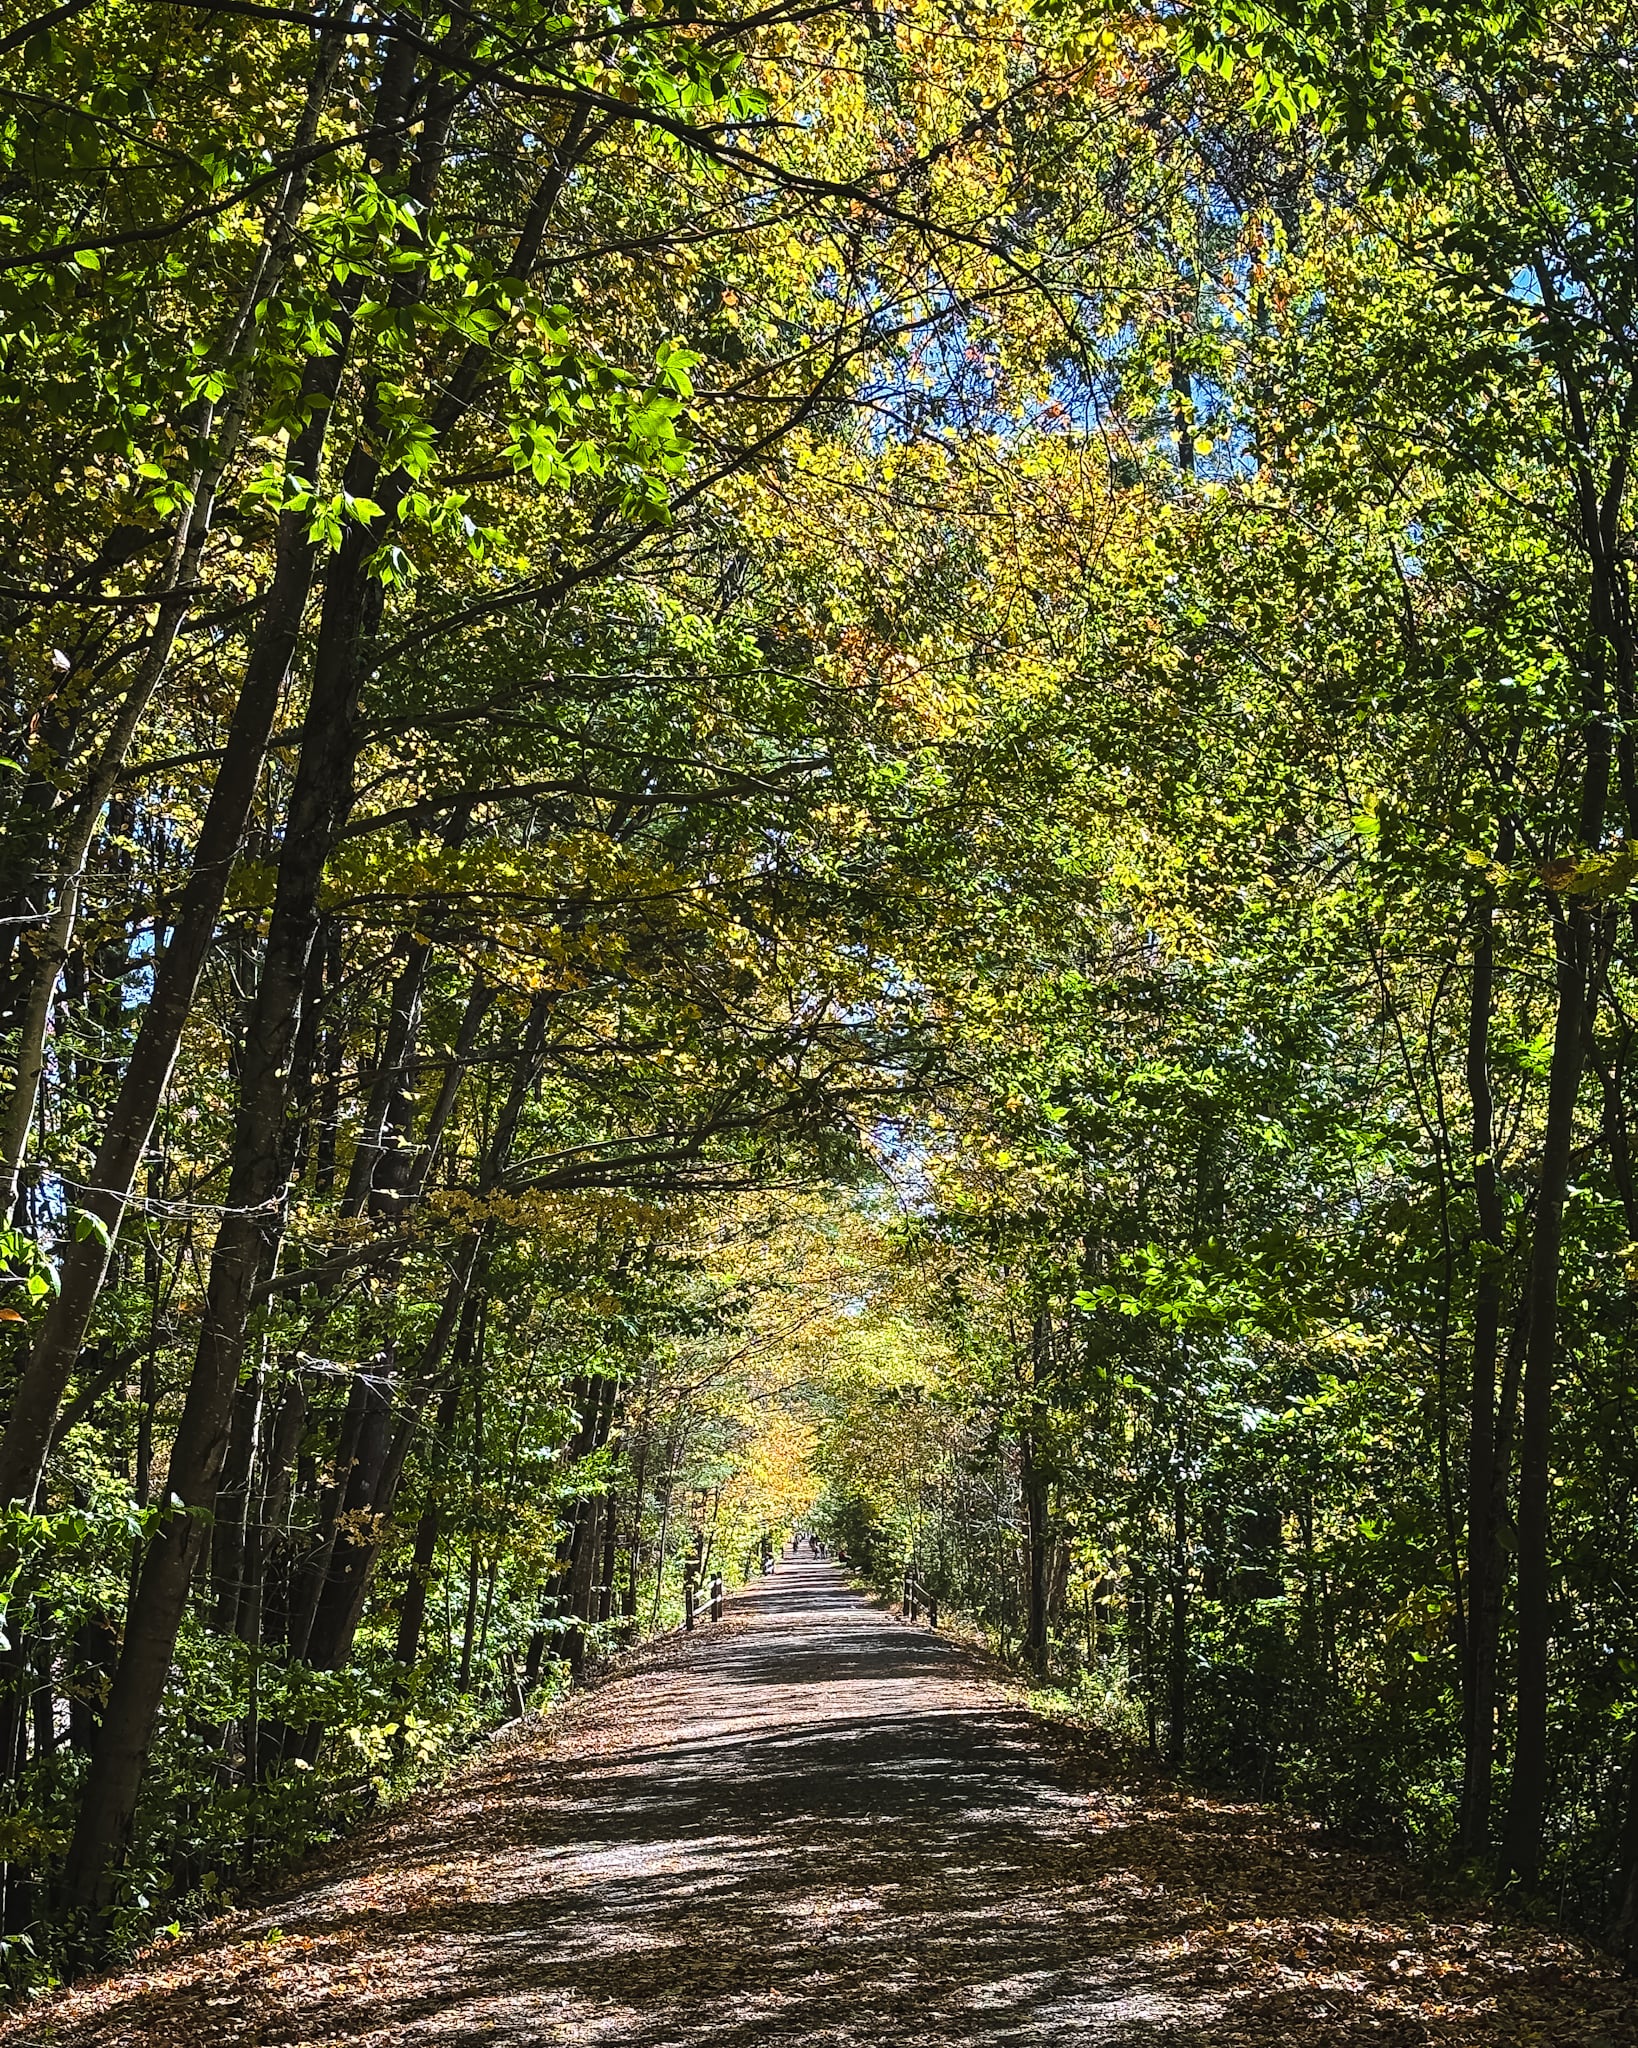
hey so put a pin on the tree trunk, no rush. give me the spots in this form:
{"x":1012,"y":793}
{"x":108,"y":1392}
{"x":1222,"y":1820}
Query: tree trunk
{"x":1484,"y":1552}
{"x":611,"y":1549}
{"x":181,"y":575}
{"x":1574,"y":937}
{"x":308,"y":1578}
{"x":412,"y":1608}
{"x":469,"y":1630}
{"x":403,"y":1016}
{"x":344,"y":1575}
{"x":1624,"y":1927}
{"x":1034,"y":1483}
{"x":629,"y":1604}
{"x":247,"y":1239}
{"x":276,"y":1480}
{"x":582,"y":1569}
{"x":230,"y":1525}
{"x":176,"y":976}
{"x":330,"y":1637}
{"x":1177,"y":1648}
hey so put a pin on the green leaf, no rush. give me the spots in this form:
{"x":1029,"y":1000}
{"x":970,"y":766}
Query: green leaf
{"x":87,"y":1225}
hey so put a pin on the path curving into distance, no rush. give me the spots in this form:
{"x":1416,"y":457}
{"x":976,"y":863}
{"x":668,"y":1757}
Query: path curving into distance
{"x":816,"y":1825}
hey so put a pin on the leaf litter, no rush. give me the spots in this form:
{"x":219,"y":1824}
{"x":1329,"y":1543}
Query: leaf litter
{"x":813,"y":1824}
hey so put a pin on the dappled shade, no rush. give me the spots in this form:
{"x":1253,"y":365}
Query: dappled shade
{"x":818,"y":1825}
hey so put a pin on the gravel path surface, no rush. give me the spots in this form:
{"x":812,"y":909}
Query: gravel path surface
{"x":815,"y":1825}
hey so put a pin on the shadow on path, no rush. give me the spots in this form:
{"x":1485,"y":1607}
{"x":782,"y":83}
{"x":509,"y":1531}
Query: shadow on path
{"x":817,"y":1825}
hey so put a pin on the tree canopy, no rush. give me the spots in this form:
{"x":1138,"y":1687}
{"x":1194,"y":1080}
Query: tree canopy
{"x":852,"y":767}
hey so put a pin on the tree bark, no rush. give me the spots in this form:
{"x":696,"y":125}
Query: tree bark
{"x":176,"y":976}
{"x":1484,"y":1552}
{"x":1033,"y":1478}
{"x":181,"y":574}
{"x":230,"y":1524}
{"x":1574,"y":945}
{"x":1177,"y":1647}
{"x":247,"y":1239}
{"x":412,"y":1607}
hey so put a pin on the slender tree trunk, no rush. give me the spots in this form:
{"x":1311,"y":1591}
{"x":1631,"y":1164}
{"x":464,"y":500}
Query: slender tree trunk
{"x":1034,"y":1478}
{"x":1177,"y":1659}
{"x":308,"y":1583}
{"x":1624,"y":1927}
{"x":176,"y":980}
{"x":349,"y":1566}
{"x":412,"y":1608}
{"x":1574,"y":943}
{"x":230,"y":1524}
{"x":346,"y":1577}
{"x":629,"y":1605}
{"x":611,"y":1548}
{"x":577,"y":1561}
{"x":181,"y":575}
{"x":331,"y":1054}
{"x":469,"y":1631}
{"x":250,"y":1612}
{"x":583,"y":1551}
{"x":403,"y":1016}
{"x":480,"y":1002}
{"x":247,"y":1239}
{"x":276,"y":1482}
{"x":330,"y":1637}
{"x":1484,"y":1552}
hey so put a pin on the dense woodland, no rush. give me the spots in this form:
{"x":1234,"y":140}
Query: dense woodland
{"x":831,"y":764}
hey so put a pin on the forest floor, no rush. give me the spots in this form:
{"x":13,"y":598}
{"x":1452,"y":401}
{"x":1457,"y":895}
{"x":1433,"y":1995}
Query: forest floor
{"x":813,"y":1824}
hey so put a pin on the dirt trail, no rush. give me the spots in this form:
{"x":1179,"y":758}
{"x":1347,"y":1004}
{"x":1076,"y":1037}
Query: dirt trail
{"x":815,"y":1825}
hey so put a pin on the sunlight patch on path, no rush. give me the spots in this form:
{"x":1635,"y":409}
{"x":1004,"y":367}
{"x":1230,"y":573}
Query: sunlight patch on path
{"x":815,"y":1826}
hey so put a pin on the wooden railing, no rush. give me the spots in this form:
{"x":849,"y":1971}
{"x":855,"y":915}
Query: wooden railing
{"x":691,"y":1598}
{"x":917,"y":1596}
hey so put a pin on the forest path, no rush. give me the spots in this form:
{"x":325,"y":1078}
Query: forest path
{"x":815,"y":1825}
